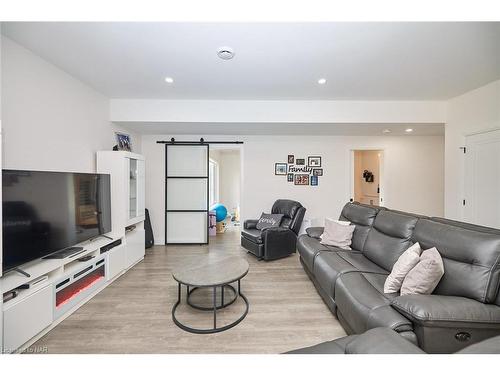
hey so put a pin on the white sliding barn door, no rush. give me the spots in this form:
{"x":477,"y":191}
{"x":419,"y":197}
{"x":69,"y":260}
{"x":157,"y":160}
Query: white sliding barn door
{"x":482,"y":179}
{"x":186,"y":194}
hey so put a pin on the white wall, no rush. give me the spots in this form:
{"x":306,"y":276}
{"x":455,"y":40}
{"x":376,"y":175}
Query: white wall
{"x":473,"y":112}
{"x":229,"y":178}
{"x":413,"y":173}
{"x":50,"y":120}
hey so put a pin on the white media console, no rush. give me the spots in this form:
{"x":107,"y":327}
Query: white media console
{"x":60,"y":286}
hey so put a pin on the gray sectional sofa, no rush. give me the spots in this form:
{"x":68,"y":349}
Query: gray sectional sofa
{"x":387,"y":341}
{"x":464,"y":308}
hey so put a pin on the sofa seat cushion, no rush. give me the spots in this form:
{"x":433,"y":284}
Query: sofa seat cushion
{"x":381,"y":341}
{"x":444,"y":311}
{"x":328,"y":347}
{"x":329,"y":265}
{"x":253,"y":235}
{"x":363,"y":306}
{"x":309,"y":248}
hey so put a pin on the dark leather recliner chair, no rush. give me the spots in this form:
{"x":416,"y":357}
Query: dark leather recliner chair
{"x":279,"y":242}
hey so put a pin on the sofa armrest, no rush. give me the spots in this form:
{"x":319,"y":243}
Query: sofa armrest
{"x":250,"y":224}
{"x":381,"y":341}
{"x":315,"y":232}
{"x":437,"y":310}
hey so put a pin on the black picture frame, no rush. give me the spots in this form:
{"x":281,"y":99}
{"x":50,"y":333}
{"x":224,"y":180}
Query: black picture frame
{"x":124,"y":143}
{"x":301,"y":179}
{"x":291,"y":159}
{"x":278,"y":169}
{"x":314,"y":161}
{"x":300,"y":161}
{"x":318,"y":172}
{"x":289,"y":177}
{"x":314,"y":180}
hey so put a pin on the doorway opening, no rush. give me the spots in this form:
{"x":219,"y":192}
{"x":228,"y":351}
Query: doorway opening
{"x":225,"y":187}
{"x":366,"y":179}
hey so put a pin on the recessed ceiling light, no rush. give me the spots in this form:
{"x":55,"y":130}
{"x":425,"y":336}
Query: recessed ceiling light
{"x":386,"y":131}
{"x":169,"y":80}
{"x":225,"y":53}
{"x":409,"y":130}
{"x":322,"y":81}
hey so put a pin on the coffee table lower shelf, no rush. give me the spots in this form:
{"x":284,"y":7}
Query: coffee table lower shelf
{"x":213,"y":308}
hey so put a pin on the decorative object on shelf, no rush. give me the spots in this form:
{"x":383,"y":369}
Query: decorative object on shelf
{"x":280,"y":169}
{"x":314,"y":180}
{"x":301,"y":179}
{"x":291,"y":159}
{"x":318,"y":172}
{"x":289,"y":177}
{"x":314,"y":161}
{"x":124,"y":142}
{"x":300,"y":162}
{"x":368,"y":176}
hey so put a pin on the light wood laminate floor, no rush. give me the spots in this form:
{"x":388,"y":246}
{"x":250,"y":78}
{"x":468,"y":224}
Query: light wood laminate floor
{"x":133,"y":314}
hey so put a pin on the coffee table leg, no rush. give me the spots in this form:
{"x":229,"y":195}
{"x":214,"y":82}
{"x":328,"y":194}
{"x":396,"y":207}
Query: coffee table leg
{"x":187,"y":294}
{"x":239,"y":287}
{"x":222,"y":295}
{"x":178,"y":292}
{"x":215,"y":307}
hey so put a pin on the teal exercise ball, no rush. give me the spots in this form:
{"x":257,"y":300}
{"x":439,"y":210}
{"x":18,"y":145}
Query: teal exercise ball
{"x":220,"y":212}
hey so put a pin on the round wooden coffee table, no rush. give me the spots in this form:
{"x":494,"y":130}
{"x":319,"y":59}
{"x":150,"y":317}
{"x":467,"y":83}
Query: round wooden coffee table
{"x":209,"y":271}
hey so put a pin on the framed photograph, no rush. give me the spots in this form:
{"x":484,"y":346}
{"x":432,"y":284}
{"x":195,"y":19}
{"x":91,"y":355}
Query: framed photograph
{"x":314,"y":180}
{"x":291,"y":159}
{"x":318,"y":172}
{"x":280,"y":169}
{"x":301,"y":179}
{"x":314,"y":161}
{"x":300,"y":161}
{"x":123,"y":141}
{"x":289,"y":177}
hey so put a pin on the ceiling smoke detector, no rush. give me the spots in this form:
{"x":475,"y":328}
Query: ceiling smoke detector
{"x":225,"y":53}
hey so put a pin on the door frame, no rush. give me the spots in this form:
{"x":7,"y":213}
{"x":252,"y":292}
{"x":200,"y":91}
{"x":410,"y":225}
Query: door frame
{"x":382,"y":197}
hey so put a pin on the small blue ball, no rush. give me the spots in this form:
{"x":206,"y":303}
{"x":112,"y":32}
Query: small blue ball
{"x":220,"y":212}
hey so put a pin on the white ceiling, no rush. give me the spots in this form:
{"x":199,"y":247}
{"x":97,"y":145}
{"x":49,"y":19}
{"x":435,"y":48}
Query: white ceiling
{"x":241,"y":128}
{"x":390,"y":61}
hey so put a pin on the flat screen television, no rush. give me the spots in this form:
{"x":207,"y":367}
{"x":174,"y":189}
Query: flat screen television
{"x":44,"y":212}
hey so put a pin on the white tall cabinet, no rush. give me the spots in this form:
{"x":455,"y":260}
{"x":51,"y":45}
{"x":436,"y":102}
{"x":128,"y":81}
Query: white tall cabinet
{"x":127,"y":172}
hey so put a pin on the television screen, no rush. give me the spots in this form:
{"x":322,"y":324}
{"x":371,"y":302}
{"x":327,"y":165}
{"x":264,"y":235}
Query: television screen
{"x":44,"y":212}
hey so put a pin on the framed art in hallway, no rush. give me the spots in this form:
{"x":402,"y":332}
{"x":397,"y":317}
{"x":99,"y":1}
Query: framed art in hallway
{"x":280,"y":169}
{"x":314,"y":161}
{"x":301,"y":179}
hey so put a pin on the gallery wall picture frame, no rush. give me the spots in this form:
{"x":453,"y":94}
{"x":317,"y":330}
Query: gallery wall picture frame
{"x":318,"y":172}
{"x":301,"y":179}
{"x":291,"y":159}
{"x":280,"y":169}
{"x":314,"y":161}
{"x":289,"y":177}
{"x":300,"y":161}
{"x":314,"y":180}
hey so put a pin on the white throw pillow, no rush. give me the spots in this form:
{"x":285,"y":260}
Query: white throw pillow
{"x":404,"y":264}
{"x":337,"y":234}
{"x":425,"y":276}
{"x":329,"y":219}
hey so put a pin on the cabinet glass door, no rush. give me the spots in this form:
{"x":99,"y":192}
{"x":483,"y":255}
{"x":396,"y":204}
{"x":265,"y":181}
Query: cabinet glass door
{"x":133,"y":189}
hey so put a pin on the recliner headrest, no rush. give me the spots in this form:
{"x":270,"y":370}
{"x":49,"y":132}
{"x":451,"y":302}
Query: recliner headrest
{"x":286,"y":207}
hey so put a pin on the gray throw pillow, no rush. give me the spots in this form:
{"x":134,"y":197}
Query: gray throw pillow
{"x":425,"y":276}
{"x":269,"y":221}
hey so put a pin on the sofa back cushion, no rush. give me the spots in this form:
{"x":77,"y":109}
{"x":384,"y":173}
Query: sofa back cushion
{"x":389,"y":237}
{"x":362,"y":216}
{"x":470,"y":258}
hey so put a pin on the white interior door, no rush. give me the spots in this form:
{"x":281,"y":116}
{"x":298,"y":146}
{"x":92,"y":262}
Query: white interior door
{"x":482,"y":179}
{"x":186,"y":194}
